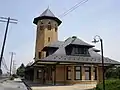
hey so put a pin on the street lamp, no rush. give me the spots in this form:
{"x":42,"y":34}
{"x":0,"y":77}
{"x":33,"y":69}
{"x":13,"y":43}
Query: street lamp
{"x":101,"y":41}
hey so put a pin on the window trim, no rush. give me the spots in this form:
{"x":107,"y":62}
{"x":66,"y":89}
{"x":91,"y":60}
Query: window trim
{"x":39,"y":73}
{"x":88,"y":71}
{"x":41,"y":27}
{"x":49,"y":26}
{"x":68,"y":72}
{"x":95,"y":72}
{"x":77,"y":71}
{"x":48,"y":39}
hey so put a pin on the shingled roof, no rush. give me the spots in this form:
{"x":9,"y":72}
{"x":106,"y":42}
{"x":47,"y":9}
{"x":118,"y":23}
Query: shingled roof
{"x":60,"y":55}
{"x":71,"y":40}
{"x":94,"y":58}
{"x":47,"y":14}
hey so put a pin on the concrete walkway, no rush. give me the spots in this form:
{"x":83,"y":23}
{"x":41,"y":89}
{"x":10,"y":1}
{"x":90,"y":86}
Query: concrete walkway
{"x":16,"y":84}
{"x":36,"y":86}
{"x":72,"y":87}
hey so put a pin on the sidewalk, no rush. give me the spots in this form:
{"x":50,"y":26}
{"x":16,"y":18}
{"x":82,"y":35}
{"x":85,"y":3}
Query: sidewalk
{"x":16,"y":84}
{"x":36,"y":86}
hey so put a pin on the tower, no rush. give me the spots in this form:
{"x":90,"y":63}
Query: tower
{"x":47,"y":31}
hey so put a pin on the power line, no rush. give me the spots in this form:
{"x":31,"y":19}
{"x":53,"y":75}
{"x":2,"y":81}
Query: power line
{"x":3,"y":19}
{"x":73,"y":8}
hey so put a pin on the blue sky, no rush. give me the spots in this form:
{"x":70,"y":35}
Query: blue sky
{"x":96,"y":17}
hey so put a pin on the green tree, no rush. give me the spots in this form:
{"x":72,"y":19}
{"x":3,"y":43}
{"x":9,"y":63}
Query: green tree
{"x":113,"y":72}
{"x":21,"y":70}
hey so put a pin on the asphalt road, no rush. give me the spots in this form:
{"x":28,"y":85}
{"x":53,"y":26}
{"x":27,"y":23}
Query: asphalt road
{"x":17,"y":84}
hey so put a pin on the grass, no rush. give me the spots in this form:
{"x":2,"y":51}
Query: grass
{"x":112,"y":84}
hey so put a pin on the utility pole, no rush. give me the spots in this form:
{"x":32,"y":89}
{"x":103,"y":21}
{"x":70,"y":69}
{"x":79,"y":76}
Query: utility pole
{"x":11,"y":61}
{"x":8,"y":20}
{"x":14,"y":67}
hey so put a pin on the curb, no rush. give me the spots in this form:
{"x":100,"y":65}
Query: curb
{"x":28,"y":87}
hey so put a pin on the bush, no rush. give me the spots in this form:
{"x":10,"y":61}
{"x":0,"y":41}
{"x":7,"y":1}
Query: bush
{"x":11,"y":78}
{"x":109,"y":85}
{"x":15,"y":76}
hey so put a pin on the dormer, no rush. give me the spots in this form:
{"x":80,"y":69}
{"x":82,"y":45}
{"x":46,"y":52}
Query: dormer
{"x":78,"y":47}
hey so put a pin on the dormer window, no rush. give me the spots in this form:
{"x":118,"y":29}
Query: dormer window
{"x":79,"y":50}
{"x":76,"y":50}
{"x":49,"y":26}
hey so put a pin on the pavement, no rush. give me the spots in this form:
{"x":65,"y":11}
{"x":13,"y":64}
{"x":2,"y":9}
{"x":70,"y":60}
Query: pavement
{"x":36,"y":86}
{"x":15,"y":84}
{"x":71,"y":87}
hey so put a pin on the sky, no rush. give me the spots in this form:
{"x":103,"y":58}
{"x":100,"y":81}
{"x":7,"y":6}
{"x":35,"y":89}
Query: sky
{"x":96,"y":17}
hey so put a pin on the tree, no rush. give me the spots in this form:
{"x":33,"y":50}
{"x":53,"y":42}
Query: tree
{"x":21,"y":70}
{"x":113,"y":72}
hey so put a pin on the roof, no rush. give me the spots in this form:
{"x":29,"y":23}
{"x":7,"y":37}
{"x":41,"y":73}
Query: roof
{"x":47,"y":14}
{"x":96,"y":50}
{"x":77,"y":41}
{"x":56,"y":44}
{"x":60,"y":55}
{"x":71,"y":40}
{"x":93,"y":59}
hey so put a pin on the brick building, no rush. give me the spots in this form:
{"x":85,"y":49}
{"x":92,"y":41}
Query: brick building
{"x":63,"y":62}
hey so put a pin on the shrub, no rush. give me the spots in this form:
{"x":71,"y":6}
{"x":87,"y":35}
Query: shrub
{"x":11,"y":78}
{"x":109,"y":85}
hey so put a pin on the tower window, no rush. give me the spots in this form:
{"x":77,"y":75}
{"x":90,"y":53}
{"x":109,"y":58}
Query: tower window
{"x":49,"y":26}
{"x":56,"y":29}
{"x":48,"y":39}
{"x":41,"y":27}
{"x":41,"y":22}
{"x":39,"y":55}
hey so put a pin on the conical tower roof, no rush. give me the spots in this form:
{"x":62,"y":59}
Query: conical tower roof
{"x":47,"y":14}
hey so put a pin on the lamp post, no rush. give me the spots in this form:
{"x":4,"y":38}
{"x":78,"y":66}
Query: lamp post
{"x":101,"y":41}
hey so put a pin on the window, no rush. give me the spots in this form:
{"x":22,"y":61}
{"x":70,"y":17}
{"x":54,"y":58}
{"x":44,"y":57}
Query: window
{"x":79,"y":50}
{"x":56,"y":28}
{"x":95,"y":73}
{"x":48,"y":39}
{"x":68,"y":73}
{"x":39,"y":55}
{"x":78,"y":75}
{"x":39,"y":74}
{"x":87,"y":73}
{"x":49,"y":26}
{"x":41,"y":27}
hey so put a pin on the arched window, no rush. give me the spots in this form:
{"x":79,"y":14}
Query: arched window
{"x":41,"y":27}
{"x":48,"y":39}
{"x":49,"y":26}
{"x":56,"y":28}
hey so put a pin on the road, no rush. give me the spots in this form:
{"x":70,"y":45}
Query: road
{"x":16,"y":84}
